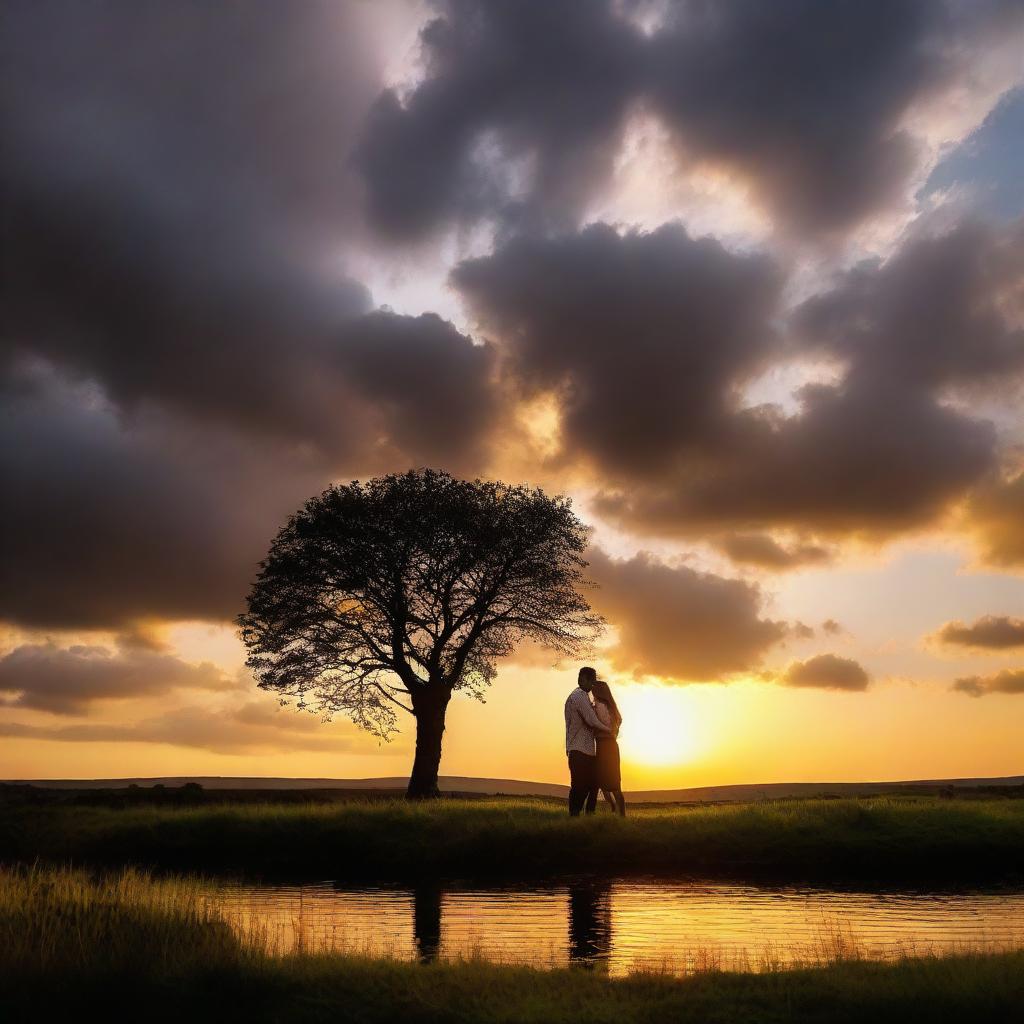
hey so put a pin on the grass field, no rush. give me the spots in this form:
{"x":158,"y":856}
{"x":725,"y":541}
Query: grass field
{"x":876,"y":840}
{"x":130,"y":948}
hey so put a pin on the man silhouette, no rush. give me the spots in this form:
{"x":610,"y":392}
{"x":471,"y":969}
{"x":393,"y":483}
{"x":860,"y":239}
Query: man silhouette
{"x":581,"y":723}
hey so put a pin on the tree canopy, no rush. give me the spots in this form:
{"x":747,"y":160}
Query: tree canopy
{"x":393,"y":593}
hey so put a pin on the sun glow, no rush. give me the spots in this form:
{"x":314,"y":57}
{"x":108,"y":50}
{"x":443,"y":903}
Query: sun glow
{"x":657,"y":725}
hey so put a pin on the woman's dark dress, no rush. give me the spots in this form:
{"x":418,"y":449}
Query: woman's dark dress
{"x":609,"y":775}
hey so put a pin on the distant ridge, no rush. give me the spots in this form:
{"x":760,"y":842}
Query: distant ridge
{"x":515,"y":787}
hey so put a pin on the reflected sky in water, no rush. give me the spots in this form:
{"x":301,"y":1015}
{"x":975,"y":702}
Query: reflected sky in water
{"x":623,"y":925}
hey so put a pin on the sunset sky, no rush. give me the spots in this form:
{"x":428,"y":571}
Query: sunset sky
{"x":744,"y":279}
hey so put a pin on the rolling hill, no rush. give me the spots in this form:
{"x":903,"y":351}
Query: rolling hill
{"x":514,"y":787}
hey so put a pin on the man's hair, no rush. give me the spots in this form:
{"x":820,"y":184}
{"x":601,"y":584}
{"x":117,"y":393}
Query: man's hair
{"x":587,"y":673}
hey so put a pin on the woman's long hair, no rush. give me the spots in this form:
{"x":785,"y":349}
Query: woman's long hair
{"x":603,"y":692}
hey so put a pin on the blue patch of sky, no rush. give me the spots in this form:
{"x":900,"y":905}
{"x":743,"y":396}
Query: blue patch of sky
{"x":989,"y":163}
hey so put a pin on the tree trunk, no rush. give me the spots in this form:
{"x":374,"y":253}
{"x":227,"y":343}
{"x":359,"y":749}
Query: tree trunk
{"x":430,"y":707}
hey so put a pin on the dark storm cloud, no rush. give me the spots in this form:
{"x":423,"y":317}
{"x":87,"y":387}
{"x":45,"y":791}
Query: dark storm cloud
{"x":109,"y":519}
{"x":646,"y":339}
{"x":173,"y":193}
{"x":252,"y":728}
{"x":544,"y":84}
{"x":176,"y":210}
{"x":677,"y":623}
{"x":425,"y":384}
{"x":873,"y":460}
{"x":67,"y":680}
{"x":802,"y":100}
{"x":764,"y":551}
{"x":106,"y":521}
{"x":882,"y":450}
{"x":826,"y":672}
{"x":941,"y":316}
{"x":641,"y":336}
{"x":941,"y":311}
{"x":1009,"y":681}
{"x":186,"y":359}
{"x":990,"y":632}
{"x":178,"y":203}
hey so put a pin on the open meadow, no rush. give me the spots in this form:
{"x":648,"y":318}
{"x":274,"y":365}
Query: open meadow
{"x":877,"y":841}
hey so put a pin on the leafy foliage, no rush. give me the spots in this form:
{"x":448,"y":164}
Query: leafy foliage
{"x":376,"y":593}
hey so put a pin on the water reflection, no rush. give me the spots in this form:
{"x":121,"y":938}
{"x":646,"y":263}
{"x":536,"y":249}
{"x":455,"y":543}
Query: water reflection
{"x":426,"y":925}
{"x":590,"y":923}
{"x":616,"y":926}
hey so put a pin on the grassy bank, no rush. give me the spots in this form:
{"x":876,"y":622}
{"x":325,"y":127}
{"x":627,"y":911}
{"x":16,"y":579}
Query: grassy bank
{"x":136,"y":949}
{"x":873,"y":840}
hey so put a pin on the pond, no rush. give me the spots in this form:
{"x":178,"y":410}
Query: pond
{"x":622,"y":925}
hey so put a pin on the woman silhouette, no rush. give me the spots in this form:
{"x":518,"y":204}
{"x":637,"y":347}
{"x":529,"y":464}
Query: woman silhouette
{"x":609,"y":773}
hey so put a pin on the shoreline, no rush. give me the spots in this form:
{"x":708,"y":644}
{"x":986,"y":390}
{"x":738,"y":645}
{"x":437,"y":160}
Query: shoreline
{"x":868,"y":843}
{"x":131,"y":947}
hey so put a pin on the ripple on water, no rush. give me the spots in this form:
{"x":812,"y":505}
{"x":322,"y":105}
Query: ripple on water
{"x":624,"y":925}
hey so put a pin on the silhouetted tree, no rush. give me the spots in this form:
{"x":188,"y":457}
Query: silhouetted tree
{"x":396,"y":592}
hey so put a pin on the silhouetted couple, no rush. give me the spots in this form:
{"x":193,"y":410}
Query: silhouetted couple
{"x":591,"y":728}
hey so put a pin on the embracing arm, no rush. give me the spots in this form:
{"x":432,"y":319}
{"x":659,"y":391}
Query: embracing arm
{"x":588,"y":714}
{"x":608,"y":718}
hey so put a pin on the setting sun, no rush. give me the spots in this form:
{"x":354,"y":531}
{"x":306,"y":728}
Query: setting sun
{"x":657,"y":725}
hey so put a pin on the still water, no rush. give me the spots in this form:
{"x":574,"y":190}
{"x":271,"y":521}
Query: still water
{"x":620,"y":926}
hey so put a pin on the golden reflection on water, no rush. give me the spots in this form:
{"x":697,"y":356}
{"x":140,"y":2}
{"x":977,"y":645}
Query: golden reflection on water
{"x":623,"y":926}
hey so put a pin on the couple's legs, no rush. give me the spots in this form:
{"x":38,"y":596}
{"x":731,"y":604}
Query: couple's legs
{"x":582,"y":791}
{"x":581,"y":798}
{"x":615,"y":800}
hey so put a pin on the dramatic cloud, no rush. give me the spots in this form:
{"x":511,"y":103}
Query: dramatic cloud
{"x":943,"y":311}
{"x":254,"y":728}
{"x":765,"y":552}
{"x":991,"y":632}
{"x":882,"y":449}
{"x":517,"y":116}
{"x":157,"y":516}
{"x":427,"y":387}
{"x":645,"y":340}
{"x":67,"y":680}
{"x":194,"y":193}
{"x":808,"y":102}
{"x":995,"y":515}
{"x":854,"y":460}
{"x":520,"y":108}
{"x":172,"y":216}
{"x":826,"y":672}
{"x":677,"y":623}
{"x":111,"y":523}
{"x":1009,"y":681}
{"x":183,"y":359}
{"x":180,"y":233}
{"x":641,"y":337}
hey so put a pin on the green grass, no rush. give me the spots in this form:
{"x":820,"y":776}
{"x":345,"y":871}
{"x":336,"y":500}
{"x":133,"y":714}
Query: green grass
{"x":878,"y":840}
{"x":127,"y":947}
